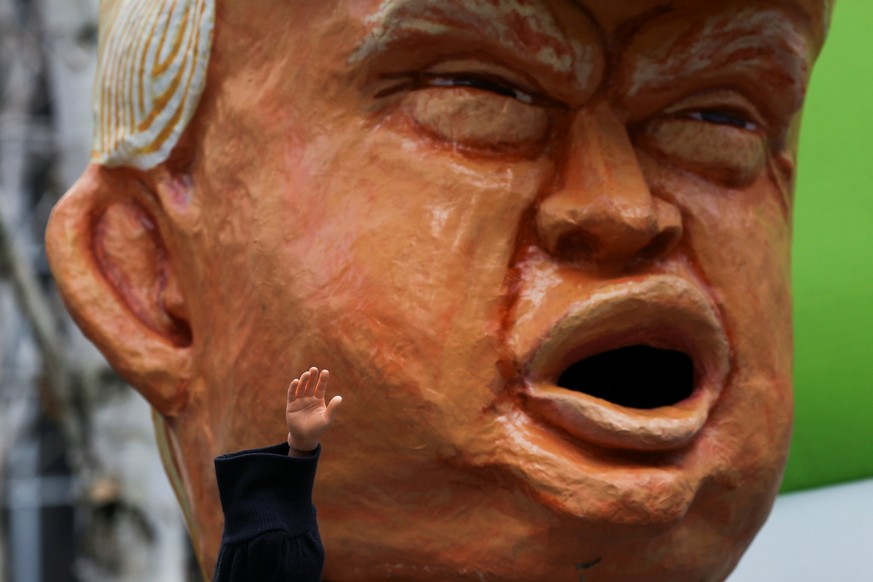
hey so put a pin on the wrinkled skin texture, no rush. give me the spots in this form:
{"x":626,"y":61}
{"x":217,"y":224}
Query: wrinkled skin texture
{"x":345,"y":199}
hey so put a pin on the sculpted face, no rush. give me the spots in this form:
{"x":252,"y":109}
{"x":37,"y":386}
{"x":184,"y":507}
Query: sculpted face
{"x":543,"y":247}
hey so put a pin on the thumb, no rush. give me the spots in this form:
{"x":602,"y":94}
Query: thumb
{"x":332,"y":407}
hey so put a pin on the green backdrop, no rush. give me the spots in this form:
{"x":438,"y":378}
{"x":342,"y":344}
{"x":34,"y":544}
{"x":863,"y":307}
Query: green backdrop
{"x":833,"y":262}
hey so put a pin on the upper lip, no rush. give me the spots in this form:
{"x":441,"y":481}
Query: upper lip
{"x":664,"y":311}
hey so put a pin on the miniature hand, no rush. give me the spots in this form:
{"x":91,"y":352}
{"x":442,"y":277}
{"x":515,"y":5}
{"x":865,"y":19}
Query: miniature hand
{"x":305,"y":412}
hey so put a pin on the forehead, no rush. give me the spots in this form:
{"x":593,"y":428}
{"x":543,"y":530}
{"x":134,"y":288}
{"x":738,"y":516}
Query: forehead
{"x":574,"y":38}
{"x":560,"y":33}
{"x":611,"y":16}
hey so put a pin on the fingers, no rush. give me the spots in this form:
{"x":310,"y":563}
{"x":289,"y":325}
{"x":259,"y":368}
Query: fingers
{"x":310,"y":383}
{"x":321,"y":387}
{"x":301,"y":384}
{"x":304,"y":382}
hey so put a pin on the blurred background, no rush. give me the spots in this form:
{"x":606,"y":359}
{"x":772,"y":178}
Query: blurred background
{"x":83,"y":496}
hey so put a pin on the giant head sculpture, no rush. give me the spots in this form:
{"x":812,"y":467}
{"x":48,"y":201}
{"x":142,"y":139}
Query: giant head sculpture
{"x":542,"y":245}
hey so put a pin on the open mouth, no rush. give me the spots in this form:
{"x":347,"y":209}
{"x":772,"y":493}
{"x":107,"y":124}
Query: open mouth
{"x":637,"y":376}
{"x":638,"y":365}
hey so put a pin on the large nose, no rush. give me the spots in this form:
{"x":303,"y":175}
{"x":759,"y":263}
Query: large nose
{"x":601,"y":209}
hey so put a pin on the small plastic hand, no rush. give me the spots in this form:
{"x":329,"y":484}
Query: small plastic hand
{"x":306,"y":414}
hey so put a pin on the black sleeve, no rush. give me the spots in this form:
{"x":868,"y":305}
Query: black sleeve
{"x":270,"y":529}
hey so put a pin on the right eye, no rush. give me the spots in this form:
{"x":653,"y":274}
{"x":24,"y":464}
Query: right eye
{"x":484,"y":82}
{"x":476,"y":111}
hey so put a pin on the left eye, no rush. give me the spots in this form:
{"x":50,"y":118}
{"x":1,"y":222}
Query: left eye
{"x":722,"y":118}
{"x":716,"y":135}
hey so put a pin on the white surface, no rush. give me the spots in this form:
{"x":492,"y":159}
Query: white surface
{"x":820,"y":535}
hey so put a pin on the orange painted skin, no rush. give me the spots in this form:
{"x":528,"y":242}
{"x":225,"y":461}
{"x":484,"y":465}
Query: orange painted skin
{"x":618,"y":173}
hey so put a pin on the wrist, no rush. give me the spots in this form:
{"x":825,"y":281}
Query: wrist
{"x":301,"y":447}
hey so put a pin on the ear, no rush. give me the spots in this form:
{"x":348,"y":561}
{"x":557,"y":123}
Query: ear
{"x":106,"y":250}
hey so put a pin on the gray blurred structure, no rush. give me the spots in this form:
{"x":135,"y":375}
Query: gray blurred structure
{"x":82,"y":491}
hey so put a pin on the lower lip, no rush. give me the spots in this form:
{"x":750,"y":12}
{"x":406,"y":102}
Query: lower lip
{"x":609,"y":425}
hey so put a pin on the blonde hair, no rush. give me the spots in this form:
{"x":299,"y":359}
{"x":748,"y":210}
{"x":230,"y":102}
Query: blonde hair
{"x":152,"y":57}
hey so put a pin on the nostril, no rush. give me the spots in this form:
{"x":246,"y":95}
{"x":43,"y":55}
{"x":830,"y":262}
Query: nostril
{"x":575,"y":245}
{"x":669,"y":230}
{"x":660,"y":245}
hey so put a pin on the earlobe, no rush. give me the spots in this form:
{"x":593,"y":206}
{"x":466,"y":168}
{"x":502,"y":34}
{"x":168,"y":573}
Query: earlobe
{"x":114,"y":274}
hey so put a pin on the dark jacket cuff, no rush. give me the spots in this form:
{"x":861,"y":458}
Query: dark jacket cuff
{"x":266,"y":490}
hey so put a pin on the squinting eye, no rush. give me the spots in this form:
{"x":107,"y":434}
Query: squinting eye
{"x":715,"y":135}
{"x":482,"y":81}
{"x":723,"y":118}
{"x":473,"y":110}
{"x":478,"y":82}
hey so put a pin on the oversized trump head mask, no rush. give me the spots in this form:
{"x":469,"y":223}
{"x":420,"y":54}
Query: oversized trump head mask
{"x":542,"y":245}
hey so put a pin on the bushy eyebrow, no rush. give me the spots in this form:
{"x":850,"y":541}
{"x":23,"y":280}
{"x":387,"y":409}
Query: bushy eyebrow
{"x":518,"y":27}
{"x":763,"y":42}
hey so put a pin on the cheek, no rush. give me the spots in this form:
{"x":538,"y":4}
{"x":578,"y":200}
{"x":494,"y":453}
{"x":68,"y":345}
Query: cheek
{"x":401,"y":232}
{"x":740,"y":244}
{"x":397,"y":254}
{"x":742,"y":247}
